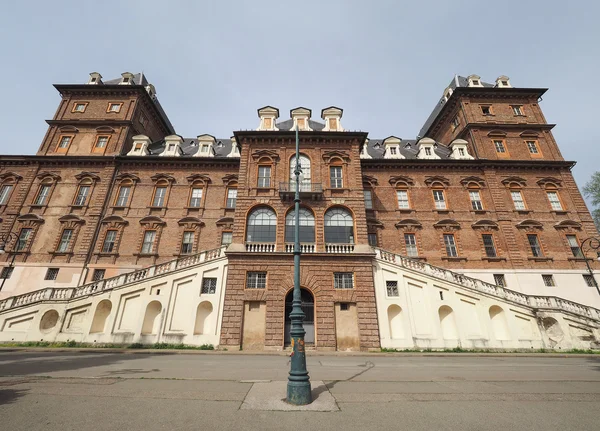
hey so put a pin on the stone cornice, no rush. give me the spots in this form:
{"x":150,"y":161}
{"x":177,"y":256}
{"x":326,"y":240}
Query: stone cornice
{"x":444,"y":164}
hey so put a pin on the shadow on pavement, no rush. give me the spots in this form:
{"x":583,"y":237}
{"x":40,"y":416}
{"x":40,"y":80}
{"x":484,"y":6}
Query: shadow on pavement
{"x":48,"y":362}
{"x":595,"y":363}
{"x":9,"y":396}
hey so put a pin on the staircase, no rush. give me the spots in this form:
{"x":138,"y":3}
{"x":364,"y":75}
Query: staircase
{"x":153,"y":304}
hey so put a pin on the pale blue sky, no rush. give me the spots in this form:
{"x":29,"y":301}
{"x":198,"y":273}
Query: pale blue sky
{"x":386,"y":63}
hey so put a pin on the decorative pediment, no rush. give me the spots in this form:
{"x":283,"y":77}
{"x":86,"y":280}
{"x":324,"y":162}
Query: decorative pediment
{"x":105,"y":129}
{"x":152,"y":220}
{"x":408,"y":225}
{"x":447,"y":225}
{"x":87,"y":175}
{"x":190,"y":222}
{"x":568,"y":225}
{"x":163,"y":177}
{"x":125,"y":176}
{"x":204,"y":178}
{"x":10,"y":176}
{"x":485,"y":225}
{"x":530,"y":225}
{"x":497,"y":133}
{"x":375,"y":224}
{"x":30,"y":219}
{"x":549,"y":182}
{"x":437,"y":180}
{"x":514,"y":182}
{"x":266,"y":154}
{"x":529,"y":134}
{"x":66,"y":129}
{"x":226,"y":222}
{"x":46,"y":175}
{"x":228,"y":179}
{"x":71,"y":221}
{"x":370,"y":180}
{"x":472,"y":182}
{"x":328,"y":156}
{"x":114,"y":221}
{"x":401,"y":180}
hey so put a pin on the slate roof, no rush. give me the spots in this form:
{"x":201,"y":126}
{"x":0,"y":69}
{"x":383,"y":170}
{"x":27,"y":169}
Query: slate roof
{"x":408,"y":148}
{"x":189,"y":147}
{"x":288,"y":124}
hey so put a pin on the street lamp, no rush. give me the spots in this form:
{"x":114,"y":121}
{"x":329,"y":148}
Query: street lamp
{"x":4,"y":240}
{"x":594,"y":244}
{"x":298,"y":387}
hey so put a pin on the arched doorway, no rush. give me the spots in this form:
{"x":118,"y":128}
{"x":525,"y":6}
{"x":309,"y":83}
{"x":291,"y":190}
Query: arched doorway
{"x":308,"y":306}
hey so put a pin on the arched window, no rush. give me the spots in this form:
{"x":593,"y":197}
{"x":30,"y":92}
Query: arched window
{"x":305,"y":166}
{"x":339,"y":226}
{"x":307,"y":226}
{"x":262,"y":224}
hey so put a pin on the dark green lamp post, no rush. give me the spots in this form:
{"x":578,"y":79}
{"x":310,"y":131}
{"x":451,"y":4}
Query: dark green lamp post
{"x":298,"y":387}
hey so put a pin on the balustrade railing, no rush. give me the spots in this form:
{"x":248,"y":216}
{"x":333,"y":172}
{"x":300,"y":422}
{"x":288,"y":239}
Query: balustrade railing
{"x":260,"y":247}
{"x":304,"y":247}
{"x":339,"y":248}
{"x":68,"y":293}
{"x":533,"y":301}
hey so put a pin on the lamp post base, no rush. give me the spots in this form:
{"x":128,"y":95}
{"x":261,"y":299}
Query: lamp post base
{"x":299,"y":393}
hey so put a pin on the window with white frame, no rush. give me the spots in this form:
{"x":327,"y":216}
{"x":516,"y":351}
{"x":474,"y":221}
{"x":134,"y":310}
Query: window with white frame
{"x":148,"y":242}
{"x":231,"y":197}
{"x":261,"y":226}
{"x":82,"y":195}
{"x":5,"y":191}
{"x":339,"y":226}
{"x":110,"y":239}
{"x":392,"y":288}
{"x":187,"y":242}
{"x":440,"y":199}
{"x":256,"y":280}
{"x":64,"y":142}
{"x":264,"y":176}
{"x":475,"y":198}
{"x":209,"y":285}
{"x":532,"y":147}
{"x":306,"y":226}
{"x":43,"y":193}
{"x":23,"y":240}
{"x":410,"y":241}
{"x":368,"y":196}
{"x":123,"y":196}
{"x":343,"y":280}
{"x":226,"y":238}
{"x":196,"y":197}
{"x":517,"y":198}
{"x":101,"y":142}
{"x":335,"y":177}
{"x":402,"y":197}
{"x":517,"y":109}
{"x":488,"y":245}
{"x":534,"y":245}
{"x":499,"y":145}
{"x":160,"y":193}
{"x":554,"y":199}
{"x":65,"y":240}
{"x":574,"y":245}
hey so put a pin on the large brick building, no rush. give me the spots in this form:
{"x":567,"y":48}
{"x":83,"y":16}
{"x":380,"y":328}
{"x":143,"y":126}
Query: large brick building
{"x":483,"y":191}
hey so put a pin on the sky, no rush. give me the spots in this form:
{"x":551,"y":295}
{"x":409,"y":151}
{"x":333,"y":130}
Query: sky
{"x":386,"y":63}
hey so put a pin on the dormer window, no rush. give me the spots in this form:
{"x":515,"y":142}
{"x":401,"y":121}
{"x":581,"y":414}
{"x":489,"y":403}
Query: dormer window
{"x":204,"y":148}
{"x":126,"y":80}
{"x":476,"y":82}
{"x":301,"y":123}
{"x":505,"y":83}
{"x":333,"y":123}
{"x":461,"y":151}
{"x":393,"y":151}
{"x":171,"y":147}
{"x":268,"y":123}
{"x":427,"y":151}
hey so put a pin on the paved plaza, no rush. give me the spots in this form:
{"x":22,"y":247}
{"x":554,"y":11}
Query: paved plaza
{"x":190,"y":391}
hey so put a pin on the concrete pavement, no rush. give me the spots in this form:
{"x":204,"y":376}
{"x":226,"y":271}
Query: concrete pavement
{"x":107,"y":391}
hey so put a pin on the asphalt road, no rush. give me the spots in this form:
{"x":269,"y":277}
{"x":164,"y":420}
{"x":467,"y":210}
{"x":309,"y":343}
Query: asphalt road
{"x":109,"y":391}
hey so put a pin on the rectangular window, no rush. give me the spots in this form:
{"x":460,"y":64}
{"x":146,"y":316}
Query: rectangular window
{"x":392,"y":288}
{"x":554,"y":201}
{"x":499,"y":145}
{"x":532,"y":147}
{"x":51,"y":274}
{"x":98,"y":274}
{"x":187,"y":242}
{"x":101,"y":142}
{"x":264,"y":176}
{"x":499,"y":280}
{"x":123,"y":198}
{"x":333,"y":123}
{"x":410,"y":241}
{"x":343,"y":280}
{"x":534,"y":244}
{"x":335,"y":177}
{"x":231,"y":197}
{"x":439,"y":199}
{"x":109,"y":241}
{"x":6,"y":272}
{"x":5,"y":193}
{"x":455,"y":122}
{"x":393,"y":151}
{"x":368,"y":195}
{"x":488,"y":244}
{"x":42,"y":195}
{"x":517,"y":198}
{"x":256,"y":280}
{"x":82,"y":194}
{"x":64,"y":142}
{"x":517,"y":109}
{"x":268,"y":123}
{"x":475,"y":200}
{"x":79,"y":107}
{"x":209,"y":285}
{"x":24,"y":236}
{"x":548,"y":280}
{"x":589,"y":280}
{"x":114,"y":107}
{"x":148,"y":244}
{"x":450,"y":244}
{"x":65,"y":240}
{"x":372,"y":237}
{"x":159,"y":197}
{"x":574,"y":244}
{"x":403,"y":202}
{"x":427,"y":151}
{"x":486,"y":110}
{"x":196,"y":197}
{"x":226,"y":238}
